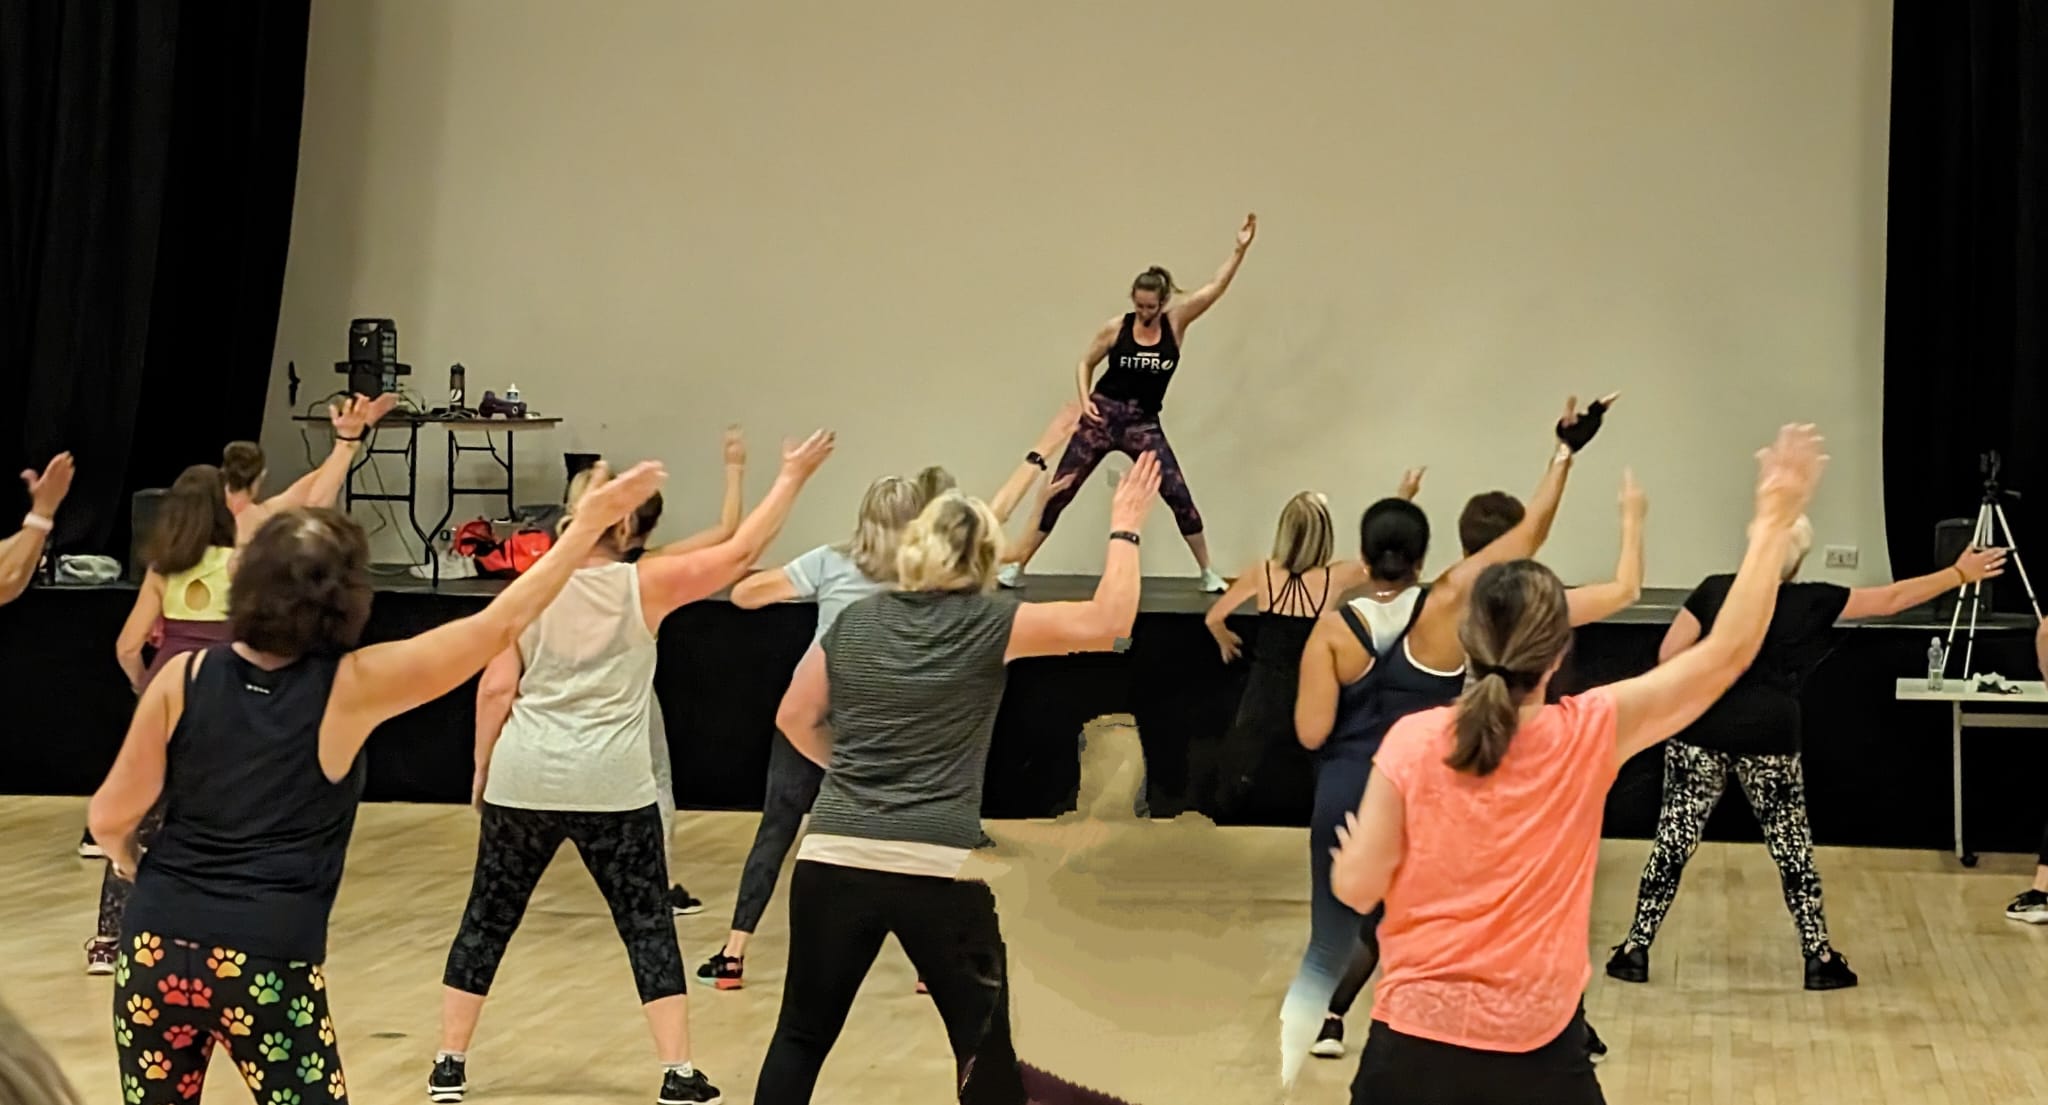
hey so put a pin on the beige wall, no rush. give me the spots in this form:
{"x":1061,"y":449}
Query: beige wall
{"x":902,"y":218}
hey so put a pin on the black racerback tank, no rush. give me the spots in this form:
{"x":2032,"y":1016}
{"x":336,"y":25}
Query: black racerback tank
{"x":1390,"y":690}
{"x":254,"y":834}
{"x":1136,"y":373}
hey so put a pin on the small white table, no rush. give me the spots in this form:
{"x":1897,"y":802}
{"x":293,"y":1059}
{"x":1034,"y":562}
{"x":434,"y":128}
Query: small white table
{"x":1968,"y":710}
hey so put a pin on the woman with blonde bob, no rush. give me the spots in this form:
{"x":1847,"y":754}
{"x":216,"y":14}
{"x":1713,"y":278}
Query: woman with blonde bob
{"x":912,"y":680}
{"x":834,"y":577}
{"x":1479,"y":832}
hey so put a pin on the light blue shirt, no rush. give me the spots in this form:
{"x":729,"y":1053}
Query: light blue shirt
{"x":831,"y":579}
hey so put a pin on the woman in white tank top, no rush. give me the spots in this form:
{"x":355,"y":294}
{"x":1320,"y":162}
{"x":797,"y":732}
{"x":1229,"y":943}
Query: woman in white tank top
{"x":564,"y":721}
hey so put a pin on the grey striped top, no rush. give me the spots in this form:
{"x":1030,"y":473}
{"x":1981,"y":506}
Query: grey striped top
{"x":916,"y":679}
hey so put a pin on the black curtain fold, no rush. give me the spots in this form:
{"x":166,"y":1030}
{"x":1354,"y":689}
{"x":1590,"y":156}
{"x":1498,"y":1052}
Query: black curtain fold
{"x":1966,"y":288}
{"x":148,"y":157}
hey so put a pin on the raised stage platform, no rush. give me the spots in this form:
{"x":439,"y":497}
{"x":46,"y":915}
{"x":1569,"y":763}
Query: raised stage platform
{"x":1878,"y":771}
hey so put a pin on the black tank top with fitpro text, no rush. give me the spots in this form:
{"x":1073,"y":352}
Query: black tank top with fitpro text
{"x":1138,"y":374}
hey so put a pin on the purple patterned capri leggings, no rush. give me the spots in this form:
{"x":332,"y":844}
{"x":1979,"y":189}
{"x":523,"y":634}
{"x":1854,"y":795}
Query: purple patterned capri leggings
{"x":1131,"y":430}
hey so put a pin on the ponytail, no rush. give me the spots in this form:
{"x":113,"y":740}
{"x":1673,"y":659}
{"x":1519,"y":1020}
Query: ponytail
{"x":1516,"y":626}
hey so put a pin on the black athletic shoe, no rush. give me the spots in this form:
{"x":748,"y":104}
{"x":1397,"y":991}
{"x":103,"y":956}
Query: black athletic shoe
{"x":2030,"y":907}
{"x":1596,"y":1048}
{"x":1629,"y":964}
{"x":722,"y":971}
{"x":985,"y":843}
{"x":88,"y":848}
{"x":681,"y":904}
{"x":694,"y":1090}
{"x":1330,"y":1041}
{"x":448,"y":1082}
{"x":1832,"y":973}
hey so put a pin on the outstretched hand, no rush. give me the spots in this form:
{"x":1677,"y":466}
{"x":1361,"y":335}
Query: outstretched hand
{"x":1788,"y":469}
{"x":46,"y":492}
{"x":1576,"y":428}
{"x":356,"y":414}
{"x":1977,"y":565}
{"x":1247,"y":232}
{"x":1411,"y":483}
{"x":1135,"y":494}
{"x":803,"y":458}
{"x":735,"y":447}
{"x":1053,"y":487}
{"x":607,"y":500}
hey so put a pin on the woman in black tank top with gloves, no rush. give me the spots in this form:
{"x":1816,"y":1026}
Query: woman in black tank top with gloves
{"x":1120,"y":413}
{"x":254,"y":748}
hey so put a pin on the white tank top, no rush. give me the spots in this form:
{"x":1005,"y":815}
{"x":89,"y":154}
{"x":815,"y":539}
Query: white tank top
{"x":1386,"y":618}
{"x":579,"y":735}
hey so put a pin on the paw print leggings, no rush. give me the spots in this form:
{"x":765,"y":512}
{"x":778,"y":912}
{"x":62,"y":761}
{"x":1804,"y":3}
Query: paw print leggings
{"x":175,"y":1001}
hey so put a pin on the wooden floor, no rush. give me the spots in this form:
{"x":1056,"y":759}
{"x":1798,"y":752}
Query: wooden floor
{"x":1148,"y":959}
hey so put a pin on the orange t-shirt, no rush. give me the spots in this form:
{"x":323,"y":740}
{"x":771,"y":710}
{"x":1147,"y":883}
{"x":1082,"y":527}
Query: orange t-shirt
{"x":1484,"y":941}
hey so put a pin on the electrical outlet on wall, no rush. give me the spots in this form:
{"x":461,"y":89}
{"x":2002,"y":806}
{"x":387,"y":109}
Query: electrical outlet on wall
{"x":1841,"y":556}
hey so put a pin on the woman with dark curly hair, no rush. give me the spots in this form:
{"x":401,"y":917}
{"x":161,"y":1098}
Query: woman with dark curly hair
{"x":254,"y":749}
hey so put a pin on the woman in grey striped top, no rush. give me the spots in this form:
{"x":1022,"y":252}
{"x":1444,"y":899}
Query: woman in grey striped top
{"x":899,"y":707}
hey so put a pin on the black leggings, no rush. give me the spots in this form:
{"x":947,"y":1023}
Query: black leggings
{"x":176,"y":1000}
{"x":793,"y":783}
{"x":622,"y":852}
{"x":114,"y":890}
{"x":837,"y":919}
{"x":1398,"y":1069}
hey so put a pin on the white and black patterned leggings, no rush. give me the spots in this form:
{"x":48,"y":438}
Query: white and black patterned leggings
{"x":1694,"y":778}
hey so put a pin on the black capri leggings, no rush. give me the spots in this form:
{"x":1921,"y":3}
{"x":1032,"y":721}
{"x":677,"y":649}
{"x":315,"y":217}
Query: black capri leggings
{"x":1398,"y":1069}
{"x":622,"y":852}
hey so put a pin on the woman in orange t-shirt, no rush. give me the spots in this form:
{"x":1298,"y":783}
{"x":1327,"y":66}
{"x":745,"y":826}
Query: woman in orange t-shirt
{"x":1480,"y":827}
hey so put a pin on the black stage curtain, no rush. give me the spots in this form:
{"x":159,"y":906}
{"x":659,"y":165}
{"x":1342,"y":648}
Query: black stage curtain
{"x":148,"y":156}
{"x":1966,"y":295}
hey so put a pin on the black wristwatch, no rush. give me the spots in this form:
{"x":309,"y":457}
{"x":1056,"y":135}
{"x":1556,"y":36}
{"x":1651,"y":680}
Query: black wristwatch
{"x":1125,"y":535}
{"x":1035,"y":457}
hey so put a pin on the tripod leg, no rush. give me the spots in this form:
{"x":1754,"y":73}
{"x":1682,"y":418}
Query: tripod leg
{"x":2012,"y":552}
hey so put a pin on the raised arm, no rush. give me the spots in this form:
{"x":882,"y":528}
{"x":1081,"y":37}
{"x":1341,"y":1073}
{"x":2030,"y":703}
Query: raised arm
{"x":1411,"y":483}
{"x":1653,"y":706}
{"x":675,"y":581}
{"x":20,"y":552}
{"x":1196,"y":305}
{"x":135,"y":632}
{"x":352,"y":418}
{"x":1044,"y":451}
{"x":1242,"y":590}
{"x":1683,"y":634}
{"x":1598,"y":601}
{"x":729,"y":508}
{"x":494,"y":695}
{"x":385,"y":680}
{"x":1058,"y":628}
{"x":2041,"y":648}
{"x":1084,"y":372}
{"x":1974,"y":566}
{"x":1034,"y":523}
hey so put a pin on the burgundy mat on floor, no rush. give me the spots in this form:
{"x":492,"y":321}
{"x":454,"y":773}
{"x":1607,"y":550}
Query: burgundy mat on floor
{"x":1049,"y":1089}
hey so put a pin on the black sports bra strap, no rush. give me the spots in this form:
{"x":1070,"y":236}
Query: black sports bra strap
{"x":1358,"y":629}
{"x":1325,"y":600}
{"x":1272,"y":600}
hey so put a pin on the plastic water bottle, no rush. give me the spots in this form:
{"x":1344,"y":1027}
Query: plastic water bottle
{"x":1937,"y":659}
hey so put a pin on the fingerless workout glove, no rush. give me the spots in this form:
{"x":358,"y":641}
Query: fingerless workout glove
{"x":1581,"y":431}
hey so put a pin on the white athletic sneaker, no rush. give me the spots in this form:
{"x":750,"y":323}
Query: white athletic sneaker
{"x":1010,"y":575}
{"x":1213,"y":583}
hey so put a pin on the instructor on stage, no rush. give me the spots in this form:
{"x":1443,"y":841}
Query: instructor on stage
{"x":1121,"y":412}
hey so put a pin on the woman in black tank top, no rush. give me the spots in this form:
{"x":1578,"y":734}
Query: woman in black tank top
{"x":1258,"y":772}
{"x":1120,"y":413}
{"x":253,"y":748}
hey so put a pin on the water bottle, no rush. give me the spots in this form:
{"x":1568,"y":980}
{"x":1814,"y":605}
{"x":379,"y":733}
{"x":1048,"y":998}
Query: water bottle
{"x":457,"y":386}
{"x":1937,"y":659}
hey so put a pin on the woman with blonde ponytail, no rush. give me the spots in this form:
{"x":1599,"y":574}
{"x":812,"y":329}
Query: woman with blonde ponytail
{"x":1479,"y":832}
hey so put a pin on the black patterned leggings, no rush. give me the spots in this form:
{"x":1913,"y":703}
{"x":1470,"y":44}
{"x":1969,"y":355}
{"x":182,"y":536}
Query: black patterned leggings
{"x":622,"y":852}
{"x":114,"y":889}
{"x":176,"y":1000}
{"x":1128,"y":429}
{"x":1694,"y":778}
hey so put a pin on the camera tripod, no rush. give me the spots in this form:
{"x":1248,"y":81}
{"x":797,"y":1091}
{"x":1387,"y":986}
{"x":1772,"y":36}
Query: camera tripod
{"x":1990,"y":520}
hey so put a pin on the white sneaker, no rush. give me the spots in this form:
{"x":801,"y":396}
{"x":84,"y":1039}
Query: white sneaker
{"x":452,"y":567}
{"x":1213,"y":583}
{"x":1010,"y":575}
